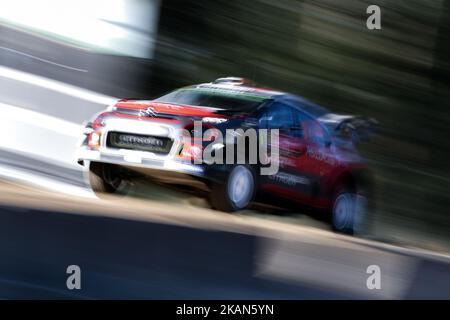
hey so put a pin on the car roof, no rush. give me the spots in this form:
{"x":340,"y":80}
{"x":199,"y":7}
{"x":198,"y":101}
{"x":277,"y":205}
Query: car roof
{"x":303,"y":104}
{"x":238,"y":89}
{"x":241,"y":86}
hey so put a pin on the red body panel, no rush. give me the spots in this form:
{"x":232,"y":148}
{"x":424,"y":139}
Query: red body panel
{"x":167,"y":108}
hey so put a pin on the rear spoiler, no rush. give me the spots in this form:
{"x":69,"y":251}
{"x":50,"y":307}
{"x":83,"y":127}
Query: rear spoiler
{"x":357,"y":128}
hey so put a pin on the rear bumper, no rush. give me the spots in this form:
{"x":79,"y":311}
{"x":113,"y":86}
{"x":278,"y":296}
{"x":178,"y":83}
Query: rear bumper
{"x":138,"y":160}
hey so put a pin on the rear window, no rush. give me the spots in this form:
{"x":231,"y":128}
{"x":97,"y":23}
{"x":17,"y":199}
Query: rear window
{"x":221,"y":99}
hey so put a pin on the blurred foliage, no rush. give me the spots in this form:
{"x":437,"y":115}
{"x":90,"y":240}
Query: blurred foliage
{"x":323,"y":51}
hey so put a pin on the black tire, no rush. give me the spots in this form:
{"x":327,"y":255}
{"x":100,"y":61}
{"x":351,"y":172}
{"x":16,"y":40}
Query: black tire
{"x":105,"y":179}
{"x":349,"y":210}
{"x":221,"y":197}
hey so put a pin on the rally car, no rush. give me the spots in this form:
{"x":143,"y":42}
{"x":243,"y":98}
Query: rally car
{"x":221,"y":136}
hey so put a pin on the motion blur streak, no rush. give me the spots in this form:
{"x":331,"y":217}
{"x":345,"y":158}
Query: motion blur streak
{"x":18,"y":122}
{"x":23,"y":176}
{"x":97,"y":24}
{"x":55,"y":86}
{"x":42,"y":60}
{"x":41,"y":120}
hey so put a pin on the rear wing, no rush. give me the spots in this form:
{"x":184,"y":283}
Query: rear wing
{"x":356,"y":128}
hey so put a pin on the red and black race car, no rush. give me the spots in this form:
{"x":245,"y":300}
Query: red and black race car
{"x":236,"y":141}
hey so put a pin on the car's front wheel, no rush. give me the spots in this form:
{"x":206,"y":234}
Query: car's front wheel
{"x":349,"y":211}
{"x":106,"y":178}
{"x":236,"y":192}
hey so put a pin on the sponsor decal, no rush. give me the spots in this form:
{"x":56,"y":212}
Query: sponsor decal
{"x":289,"y":179}
{"x":321,"y":156}
{"x":137,"y":140}
{"x":214,"y":120}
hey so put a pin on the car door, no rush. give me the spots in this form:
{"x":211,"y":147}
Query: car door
{"x":321,"y":161}
{"x":292,"y":178}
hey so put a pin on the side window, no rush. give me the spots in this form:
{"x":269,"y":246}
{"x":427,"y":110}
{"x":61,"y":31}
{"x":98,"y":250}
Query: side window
{"x":314,"y":131}
{"x":264,"y":119}
{"x":293,"y":122}
{"x":278,"y":116}
{"x":297,"y":128}
{"x":282,"y":117}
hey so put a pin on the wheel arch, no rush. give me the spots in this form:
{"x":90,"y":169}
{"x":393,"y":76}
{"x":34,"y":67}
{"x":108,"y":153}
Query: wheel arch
{"x":359,"y":180}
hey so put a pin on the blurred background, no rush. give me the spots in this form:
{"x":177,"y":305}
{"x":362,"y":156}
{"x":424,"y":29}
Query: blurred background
{"x":323,"y":51}
{"x":62,"y":61}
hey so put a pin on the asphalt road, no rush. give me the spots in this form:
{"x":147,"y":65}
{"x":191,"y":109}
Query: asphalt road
{"x":134,"y":248}
{"x":122,"y":258}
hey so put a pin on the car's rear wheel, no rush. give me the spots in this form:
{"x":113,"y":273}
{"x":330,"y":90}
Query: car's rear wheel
{"x":236,"y":192}
{"x":106,"y":178}
{"x":349,"y":210}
